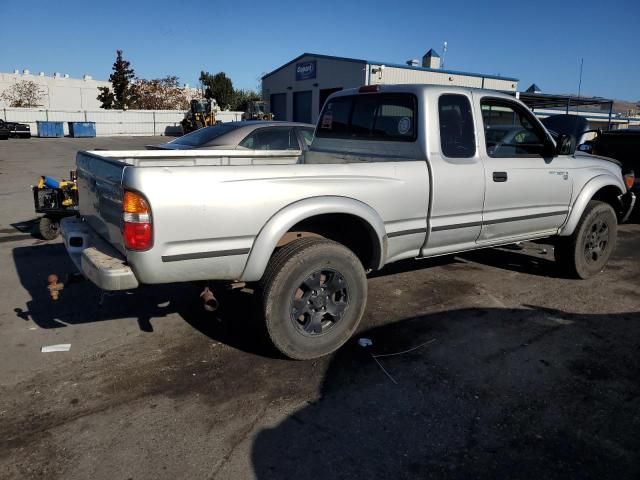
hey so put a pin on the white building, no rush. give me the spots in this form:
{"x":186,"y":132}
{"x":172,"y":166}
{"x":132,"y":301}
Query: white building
{"x":59,"y":92}
{"x":63,"y":93}
{"x":297,"y":90}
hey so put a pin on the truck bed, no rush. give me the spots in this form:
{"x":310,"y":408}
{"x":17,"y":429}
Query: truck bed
{"x":179,"y":158}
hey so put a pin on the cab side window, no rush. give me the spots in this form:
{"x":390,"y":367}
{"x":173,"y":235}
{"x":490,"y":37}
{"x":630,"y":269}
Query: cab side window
{"x":508,"y":131}
{"x":457,"y":135}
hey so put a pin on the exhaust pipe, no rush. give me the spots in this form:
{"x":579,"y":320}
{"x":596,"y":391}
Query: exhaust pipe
{"x":209,"y":300}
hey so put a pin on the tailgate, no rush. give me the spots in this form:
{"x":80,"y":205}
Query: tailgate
{"x":100,"y":195}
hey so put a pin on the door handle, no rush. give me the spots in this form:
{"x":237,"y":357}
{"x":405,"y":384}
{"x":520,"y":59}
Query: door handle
{"x":499,"y":176}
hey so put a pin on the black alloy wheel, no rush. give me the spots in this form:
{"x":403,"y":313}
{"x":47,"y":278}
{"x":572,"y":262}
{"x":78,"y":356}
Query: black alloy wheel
{"x":319,"y":302}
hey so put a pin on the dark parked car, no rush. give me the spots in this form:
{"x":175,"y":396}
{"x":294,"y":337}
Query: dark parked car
{"x":250,"y":135}
{"x":16,"y":129}
{"x":621,"y":145}
{"x":624,"y":146}
{"x":4,"y":131}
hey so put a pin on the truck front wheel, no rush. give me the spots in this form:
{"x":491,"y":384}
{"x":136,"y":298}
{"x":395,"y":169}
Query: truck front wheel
{"x":314,"y":295}
{"x":587,"y":250}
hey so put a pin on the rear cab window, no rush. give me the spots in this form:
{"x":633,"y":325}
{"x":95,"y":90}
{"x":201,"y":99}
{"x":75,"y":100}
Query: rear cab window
{"x":370,"y":116}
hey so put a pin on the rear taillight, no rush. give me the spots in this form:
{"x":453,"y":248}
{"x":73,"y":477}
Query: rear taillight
{"x":629,"y":180}
{"x":137,"y":230}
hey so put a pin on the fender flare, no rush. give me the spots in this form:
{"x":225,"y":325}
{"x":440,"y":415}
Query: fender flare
{"x":268,"y":237}
{"x":583,"y":198}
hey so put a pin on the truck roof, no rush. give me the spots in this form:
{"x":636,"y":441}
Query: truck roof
{"x":418,"y":89}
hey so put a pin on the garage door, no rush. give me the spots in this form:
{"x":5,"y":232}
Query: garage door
{"x":302,"y":106}
{"x":278,"y":104}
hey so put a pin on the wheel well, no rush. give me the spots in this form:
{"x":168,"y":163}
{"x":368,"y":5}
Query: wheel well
{"x":349,"y":230}
{"x":610,"y":194}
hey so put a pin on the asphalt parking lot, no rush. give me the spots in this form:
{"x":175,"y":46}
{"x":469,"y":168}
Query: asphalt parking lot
{"x":519,"y":372}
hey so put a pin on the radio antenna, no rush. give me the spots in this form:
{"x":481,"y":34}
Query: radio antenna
{"x":575,"y":130}
{"x":580,"y":82}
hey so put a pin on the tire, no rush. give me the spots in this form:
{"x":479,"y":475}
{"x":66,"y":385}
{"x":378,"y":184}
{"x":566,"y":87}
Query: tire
{"x":314,"y":293}
{"x":587,"y":251}
{"x":49,"y":228}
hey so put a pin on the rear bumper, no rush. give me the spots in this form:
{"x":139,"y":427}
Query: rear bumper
{"x":96,"y":259}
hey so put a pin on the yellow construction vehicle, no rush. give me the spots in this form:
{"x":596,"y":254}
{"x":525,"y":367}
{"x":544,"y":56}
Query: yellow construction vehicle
{"x":202,"y":113}
{"x":257,"y":110}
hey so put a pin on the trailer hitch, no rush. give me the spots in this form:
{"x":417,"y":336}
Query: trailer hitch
{"x":54,"y":286}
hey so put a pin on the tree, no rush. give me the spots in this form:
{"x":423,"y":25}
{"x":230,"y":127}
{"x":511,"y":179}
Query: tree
{"x":24,"y":93}
{"x":217,"y":86}
{"x":123,"y":95}
{"x":160,"y":94}
{"x":241,"y":99}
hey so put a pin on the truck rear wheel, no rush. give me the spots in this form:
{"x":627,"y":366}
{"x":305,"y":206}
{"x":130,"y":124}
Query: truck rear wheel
{"x":314,"y":295}
{"x":587,"y":250}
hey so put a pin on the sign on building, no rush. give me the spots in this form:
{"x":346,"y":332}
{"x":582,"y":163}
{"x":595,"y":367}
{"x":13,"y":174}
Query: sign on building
{"x":305,"y":70}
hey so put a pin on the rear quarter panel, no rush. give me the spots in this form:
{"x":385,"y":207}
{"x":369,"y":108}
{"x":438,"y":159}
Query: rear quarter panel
{"x":206,"y":218}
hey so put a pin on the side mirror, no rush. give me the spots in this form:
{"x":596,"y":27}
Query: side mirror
{"x":585,"y":147}
{"x":563,"y":144}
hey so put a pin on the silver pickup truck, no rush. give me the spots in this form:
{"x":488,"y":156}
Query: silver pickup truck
{"x":393,"y":172}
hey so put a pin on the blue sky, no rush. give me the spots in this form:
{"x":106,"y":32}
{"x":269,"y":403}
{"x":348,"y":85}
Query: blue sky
{"x":536,"y":41}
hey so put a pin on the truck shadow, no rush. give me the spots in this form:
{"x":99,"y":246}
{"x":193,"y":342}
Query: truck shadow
{"x":521,"y":261}
{"x":531,"y":393}
{"x":80,"y":301}
{"x":237,"y":323}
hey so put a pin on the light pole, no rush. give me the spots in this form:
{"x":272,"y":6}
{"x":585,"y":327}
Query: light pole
{"x":444,"y":52}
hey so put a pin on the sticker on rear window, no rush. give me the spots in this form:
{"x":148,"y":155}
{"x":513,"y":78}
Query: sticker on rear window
{"x":404,"y":125}
{"x":327,"y":120}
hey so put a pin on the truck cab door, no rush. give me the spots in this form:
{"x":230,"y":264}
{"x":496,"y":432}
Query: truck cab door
{"x":527,"y":187}
{"x":456,"y":169}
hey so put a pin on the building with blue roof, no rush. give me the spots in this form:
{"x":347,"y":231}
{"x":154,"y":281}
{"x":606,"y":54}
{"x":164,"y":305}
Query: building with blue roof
{"x":297,"y":90}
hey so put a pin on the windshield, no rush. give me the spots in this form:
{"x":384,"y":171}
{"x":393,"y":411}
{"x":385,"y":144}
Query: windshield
{"x":204,"y":135}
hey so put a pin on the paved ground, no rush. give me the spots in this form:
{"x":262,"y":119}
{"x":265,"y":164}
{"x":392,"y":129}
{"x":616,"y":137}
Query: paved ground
{"x":521,"y":373}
